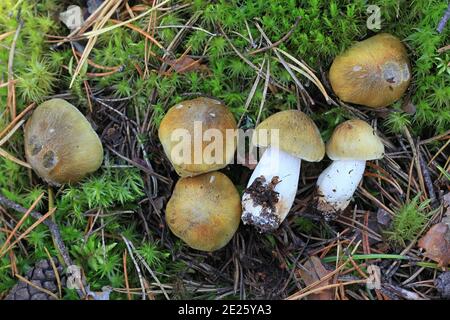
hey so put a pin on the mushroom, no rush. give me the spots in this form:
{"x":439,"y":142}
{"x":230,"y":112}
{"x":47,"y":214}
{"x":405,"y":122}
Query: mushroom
{"x":60,"y":144}
{"x":374,"y":72}
{"x":352,"y":143}
{"x":195,"y":118}
{"x":291,"y":137}
{"x":204,"y":211}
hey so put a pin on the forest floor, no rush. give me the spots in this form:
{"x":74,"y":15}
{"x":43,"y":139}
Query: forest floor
{"x":132,"y":60}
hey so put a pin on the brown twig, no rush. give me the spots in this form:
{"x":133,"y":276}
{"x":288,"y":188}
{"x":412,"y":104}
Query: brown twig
{"x":125,"y":273}
{"x":428,"y":180}
{"x":406,"y":294}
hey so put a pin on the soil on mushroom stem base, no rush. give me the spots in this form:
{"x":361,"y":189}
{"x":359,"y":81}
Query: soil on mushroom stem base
{"x":263,"y":194}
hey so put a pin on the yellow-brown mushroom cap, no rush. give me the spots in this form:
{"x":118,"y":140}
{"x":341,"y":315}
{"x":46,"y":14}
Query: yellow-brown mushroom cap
{"x":374,"y":72}
{"x":60,"y":144}
{"x":354,"y":140}
{"x":204,"y":211}
{"x":295,"y":134}
{"x":211,"y":114}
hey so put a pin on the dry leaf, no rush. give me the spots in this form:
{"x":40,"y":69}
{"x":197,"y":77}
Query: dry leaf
{"x":409,"y":107}
{"x":314,"y":271}
{"x":383,"y":217}
{"x":436,"y":243}
{"x":72,"y":17}
{"x":186,"y":64}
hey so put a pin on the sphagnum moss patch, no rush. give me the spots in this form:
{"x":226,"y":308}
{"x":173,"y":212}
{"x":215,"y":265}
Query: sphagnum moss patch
{"x":125,"y":95}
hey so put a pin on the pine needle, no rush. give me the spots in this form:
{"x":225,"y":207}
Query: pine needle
{"x":10,"y":157}
{"x":20,"y":116}
{"x":6,"y":138}
{"x":305,"y":71}
{"x":23,"y":235}
{"x":6,"y":35}
{"x":55,"y":270}
{"x":98,"y":32}
{"x":105,"y":14}
{"x":11,"y":83}
{"x":36,"y":286}
{"x":21,"y":221}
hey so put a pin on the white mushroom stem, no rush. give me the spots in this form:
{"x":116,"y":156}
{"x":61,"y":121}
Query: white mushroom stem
{"x":281,"y":171}
{"x":337,"y":184}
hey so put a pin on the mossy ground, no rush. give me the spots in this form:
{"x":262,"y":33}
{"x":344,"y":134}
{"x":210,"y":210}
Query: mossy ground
{"x":120,"y":200}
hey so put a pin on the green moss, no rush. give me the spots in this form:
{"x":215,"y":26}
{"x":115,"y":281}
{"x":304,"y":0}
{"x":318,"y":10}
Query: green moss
{"x":397,"y":120}
{"x":408,"y":221}
{"x":36,"y":76}
{"x":304,"y":225}
{"x":37,"y":81}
